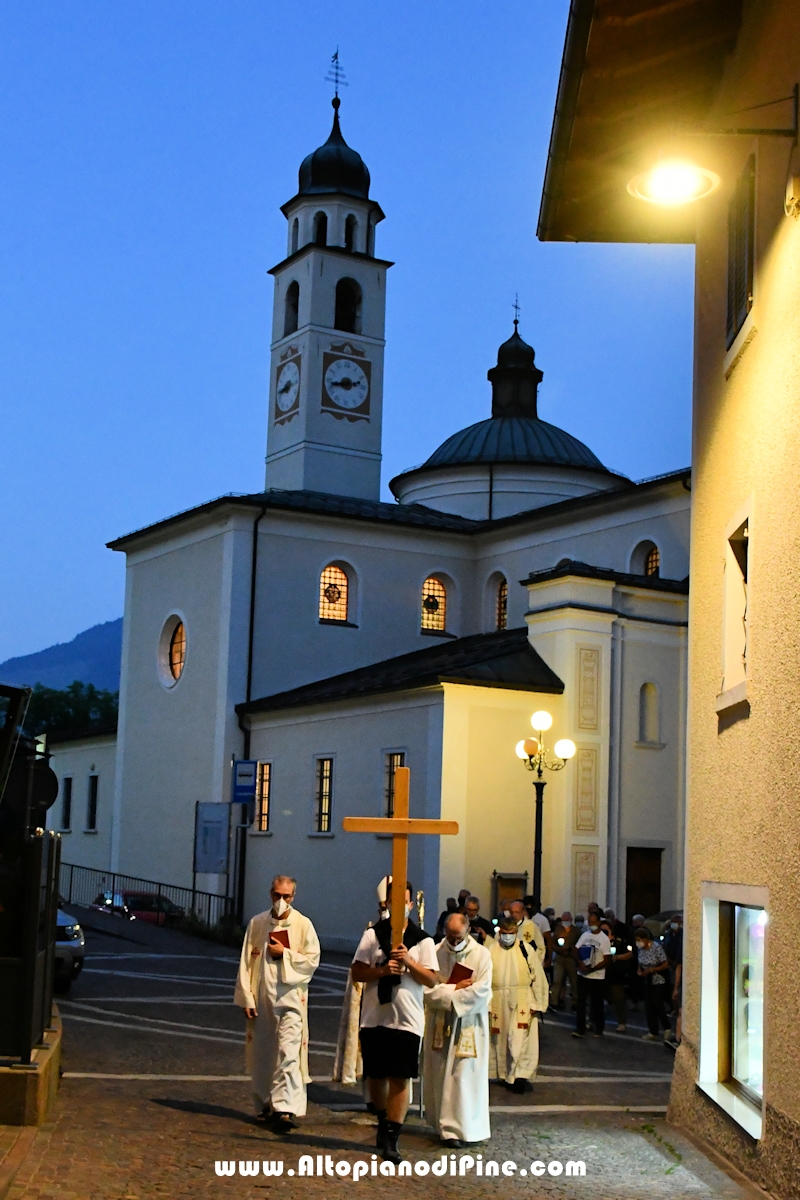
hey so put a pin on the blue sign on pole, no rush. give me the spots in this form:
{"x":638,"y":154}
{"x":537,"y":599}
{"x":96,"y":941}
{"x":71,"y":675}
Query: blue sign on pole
{"x":244,"y":781}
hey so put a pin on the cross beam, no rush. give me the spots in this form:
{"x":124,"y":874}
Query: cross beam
{"x":399,"y":826}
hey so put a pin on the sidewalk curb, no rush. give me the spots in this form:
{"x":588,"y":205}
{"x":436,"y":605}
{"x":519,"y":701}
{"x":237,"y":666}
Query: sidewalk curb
{"x":15,"y":1158}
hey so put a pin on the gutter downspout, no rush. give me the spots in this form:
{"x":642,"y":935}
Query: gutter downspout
{"x":241,"y":828}
{"x":573,"y":61}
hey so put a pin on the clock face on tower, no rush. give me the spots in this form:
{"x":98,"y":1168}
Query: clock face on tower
{"x":346,"y":383}
{"x":287,"y":389}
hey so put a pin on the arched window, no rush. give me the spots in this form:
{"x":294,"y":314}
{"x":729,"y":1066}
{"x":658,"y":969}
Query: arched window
{"x":646,"y":559}
{"x":177,"y":651}
{"x":350,"y":227}
{"x":291,"y":306}
{"x":295,"y":234}
{"x":649,"y":715}
{"x":333,"y":590}
{"x":321,"y":229}
{"x":501,"y":605}
{"x":434,"y":605}
{"x":348,"y":306}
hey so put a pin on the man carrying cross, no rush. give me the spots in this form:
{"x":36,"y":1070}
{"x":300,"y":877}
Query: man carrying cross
{"x":393,"y":1016}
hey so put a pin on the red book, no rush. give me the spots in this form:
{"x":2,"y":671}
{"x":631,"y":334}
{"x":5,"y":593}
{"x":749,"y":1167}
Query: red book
{"x":282,"y":936}
{"x":459,"y":973}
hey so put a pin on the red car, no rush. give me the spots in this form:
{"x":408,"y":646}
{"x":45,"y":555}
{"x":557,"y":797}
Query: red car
{"x":140,"y":906}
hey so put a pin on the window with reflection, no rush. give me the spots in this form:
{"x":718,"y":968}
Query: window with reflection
{"x":177,"y":651}
{"x":434,"y":605}
{"x":501,"y":605}
{"x":323,"y":800}
{"x":742,"y":931}
{"x":333,"y":590}
{"x":394,"y":759}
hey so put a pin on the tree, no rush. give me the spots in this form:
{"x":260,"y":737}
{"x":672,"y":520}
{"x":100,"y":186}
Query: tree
{"x":78,"y":709}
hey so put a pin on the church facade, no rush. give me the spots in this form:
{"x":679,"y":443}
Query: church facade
{"x":331,"y":637}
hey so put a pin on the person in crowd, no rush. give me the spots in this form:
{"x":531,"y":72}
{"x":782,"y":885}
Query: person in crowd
{"x":463,"y":897}
{"x":479,"y":927}
{"x":393,"y":1017}
{"x":635,"y":983}
{"x":565,"y":968}
{"x":653,"y":969}
{"x":672,"y":941}
{"x":519,"y":992}
{"x":451,"y":906}
{"x":592,"y":953}
{"x":456,"y":1058}
{"x":280,"y":954}
{"x":580,"y":923}
{"x":550,"y":913}
{"x":618,"y":970}
{"x":529,"y":931}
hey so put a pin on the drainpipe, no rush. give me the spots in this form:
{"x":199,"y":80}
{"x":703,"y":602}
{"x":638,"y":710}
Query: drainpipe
{"x":241,"y":828}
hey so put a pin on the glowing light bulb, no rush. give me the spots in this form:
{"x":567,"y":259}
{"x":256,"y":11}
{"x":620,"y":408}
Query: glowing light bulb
{"x":564,"y":748}
{"x":541,"y":721}
{"x":520,"y":750}
{"x":674,"y":181}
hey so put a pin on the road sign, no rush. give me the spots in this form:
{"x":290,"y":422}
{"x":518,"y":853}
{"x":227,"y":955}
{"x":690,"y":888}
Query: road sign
{"x":211,"y":838}
{"x":244,"y":781}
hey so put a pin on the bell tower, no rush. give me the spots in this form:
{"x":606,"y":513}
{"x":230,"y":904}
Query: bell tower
{"x":326,"y":374}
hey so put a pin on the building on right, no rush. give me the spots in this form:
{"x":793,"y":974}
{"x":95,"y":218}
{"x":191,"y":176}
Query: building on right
{"x":678,"y":123}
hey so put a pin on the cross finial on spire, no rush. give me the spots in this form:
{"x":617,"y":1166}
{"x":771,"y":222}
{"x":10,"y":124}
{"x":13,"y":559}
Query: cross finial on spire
{"x":515,"y":306}
{"x":336,"y":76}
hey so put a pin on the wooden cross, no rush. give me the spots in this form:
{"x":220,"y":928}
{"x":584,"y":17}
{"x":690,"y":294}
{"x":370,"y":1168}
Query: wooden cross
{"x":400,"y":825}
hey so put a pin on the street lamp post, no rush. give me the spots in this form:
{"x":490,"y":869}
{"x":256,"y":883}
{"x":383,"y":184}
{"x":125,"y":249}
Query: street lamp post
{"x":533,"y":753}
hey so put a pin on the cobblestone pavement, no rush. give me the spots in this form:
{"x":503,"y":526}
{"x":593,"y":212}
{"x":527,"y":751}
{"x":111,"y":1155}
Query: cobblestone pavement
{"x":154,"y":1095}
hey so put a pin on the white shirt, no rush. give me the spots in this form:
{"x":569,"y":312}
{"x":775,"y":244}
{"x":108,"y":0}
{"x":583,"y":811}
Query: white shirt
{"x":600,"y":946}
{"x":541,"y":920}
{"x":406,"y":1010}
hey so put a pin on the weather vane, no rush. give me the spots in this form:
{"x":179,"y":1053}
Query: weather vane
{"x":336,"y":75}
{"x":515,"y":306}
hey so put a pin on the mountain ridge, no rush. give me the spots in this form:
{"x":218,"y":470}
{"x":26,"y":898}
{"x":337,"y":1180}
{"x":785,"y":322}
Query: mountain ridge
{"x":92,"y":656}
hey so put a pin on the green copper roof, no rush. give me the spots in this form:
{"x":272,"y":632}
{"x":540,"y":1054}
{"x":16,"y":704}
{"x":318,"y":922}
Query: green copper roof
{"x":514,"y":440}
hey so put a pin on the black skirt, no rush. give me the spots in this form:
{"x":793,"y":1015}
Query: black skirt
{"x":389,"y":1053}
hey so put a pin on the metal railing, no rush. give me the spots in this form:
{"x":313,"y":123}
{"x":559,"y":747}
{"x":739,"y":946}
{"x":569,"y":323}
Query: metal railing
{"x":82,"y":886}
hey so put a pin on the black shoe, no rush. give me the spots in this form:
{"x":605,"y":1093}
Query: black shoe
{"x":390,"y":1151}
{"x":518,"y":1087}
{"x":380,"y":1133}
{"x":282,"y":1123}
{"x":265,"y":1116}
{"x":452,"y":1143}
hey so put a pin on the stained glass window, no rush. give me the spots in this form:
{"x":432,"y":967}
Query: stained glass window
{"x":501,"y":615}
{"x":652,"y":562}
{"x":333,"y":595}
{"x":434,"y":605}
{"x":324,"y":795}
{"x":177,"y":651}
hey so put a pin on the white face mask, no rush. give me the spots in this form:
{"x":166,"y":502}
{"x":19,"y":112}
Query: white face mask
{"x":674,"y":925}
{"x":640,"y":945}
{"x":385,"y":914}
{"x":408,"y":910}
{"x":507,"y":939}
{"x":594,"y":928}
{"x":566,"y":924}
{"x":280,"y":907}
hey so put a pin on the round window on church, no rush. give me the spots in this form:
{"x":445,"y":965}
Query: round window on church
{"x":172,"y":651}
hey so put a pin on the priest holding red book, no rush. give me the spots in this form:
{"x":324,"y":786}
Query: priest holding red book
{"x":279,"y":956}
{"x":456,"y":1057}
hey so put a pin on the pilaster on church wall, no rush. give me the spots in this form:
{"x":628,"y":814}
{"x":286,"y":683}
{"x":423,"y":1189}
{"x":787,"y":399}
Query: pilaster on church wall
{"x":574,"y":639}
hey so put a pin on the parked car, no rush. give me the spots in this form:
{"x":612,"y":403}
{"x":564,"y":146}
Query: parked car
{"x":113,"y":905}
{"x":69,"y":951}
{"x":148,"y":906}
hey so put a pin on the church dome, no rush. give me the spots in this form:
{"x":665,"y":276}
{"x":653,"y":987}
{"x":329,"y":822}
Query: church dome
{"x":514,"y":440}
{"x":334,"y":167}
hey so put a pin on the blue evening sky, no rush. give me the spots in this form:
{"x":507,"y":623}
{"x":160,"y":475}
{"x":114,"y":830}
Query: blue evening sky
{"x":145,"y":148}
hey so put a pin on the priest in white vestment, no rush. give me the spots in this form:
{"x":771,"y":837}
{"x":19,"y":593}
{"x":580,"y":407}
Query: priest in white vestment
{"x":519,"y":991}
{"x":529,"y":931}
{"x":456,"y":1057}
{"x":279,"y":956}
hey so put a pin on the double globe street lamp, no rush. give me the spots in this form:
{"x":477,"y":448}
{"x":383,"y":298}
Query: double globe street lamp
{"x":533,"y":753}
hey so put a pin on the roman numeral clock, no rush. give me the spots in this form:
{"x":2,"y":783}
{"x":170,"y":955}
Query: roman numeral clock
{"x":346,"y":382}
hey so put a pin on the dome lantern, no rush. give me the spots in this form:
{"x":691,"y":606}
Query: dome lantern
{"x":334,"y":166}
{"x":515,"y":380}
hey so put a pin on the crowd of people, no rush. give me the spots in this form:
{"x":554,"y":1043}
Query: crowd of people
{"x":467,"y":1002}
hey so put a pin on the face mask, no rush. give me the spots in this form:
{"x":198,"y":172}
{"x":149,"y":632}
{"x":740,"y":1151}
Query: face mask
{"x":507,"y":939}
{"x":674,"y":925}
{"x":566,"y":924}
{"x":385,"y":914}
{"x":640,"y":945}
{"x":594,"y":929}
{"x":458,"y":946}
{"x":408,"y":909}
{"x":281,"y":907}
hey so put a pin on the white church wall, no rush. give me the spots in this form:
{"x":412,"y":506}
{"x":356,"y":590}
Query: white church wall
{"x":486,"y":788}
{"x":337,"y":873}
{"x":79,"y":761}
{"x":178,"y":740}
{"x":489,"y":493}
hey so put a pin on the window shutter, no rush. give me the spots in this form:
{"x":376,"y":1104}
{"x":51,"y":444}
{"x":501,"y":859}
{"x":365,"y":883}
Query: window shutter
{"x":741,"y":233}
